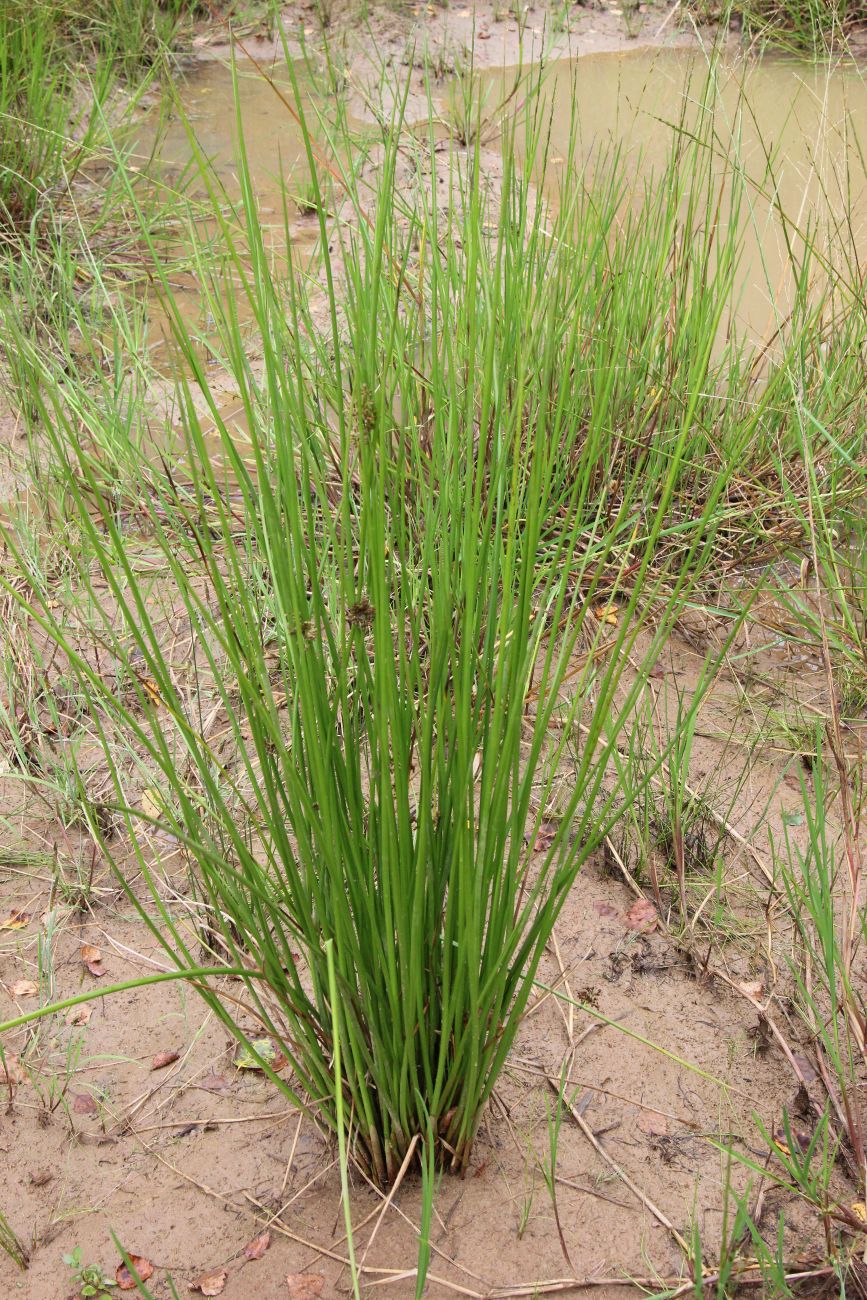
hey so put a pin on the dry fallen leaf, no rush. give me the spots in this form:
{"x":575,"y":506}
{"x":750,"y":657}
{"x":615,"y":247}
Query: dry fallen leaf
{"x":256,"y":1248}
{"x":78,"y":1015}
{"x":162,"y":1059}
{"x":642,"y":916}
{"x":83,"y":1103}
{"x":544,"y":837}
{"x":151,"y":803}
{"x":11,"y":1073}
{"x":210,"y":1283}
{"x":214,"y":1082}
{"x":805,"y":1066}
{"x":92,"y":959}
{"x":16,"y":920}
{"x":606,"y":614}
{"x":264,"y":1048}
{"x":151,"y":689}
{"x":24,"y":989}
{"x":798,"y":1136}
{"x":142,"y":1266}
{"x":305,"y":1286}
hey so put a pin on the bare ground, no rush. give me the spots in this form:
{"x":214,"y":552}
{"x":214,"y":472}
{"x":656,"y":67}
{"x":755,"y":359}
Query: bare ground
{"x":188,"y":1163}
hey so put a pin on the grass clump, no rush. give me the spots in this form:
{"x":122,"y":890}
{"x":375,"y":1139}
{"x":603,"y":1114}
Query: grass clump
{"x":812,"y":28}
{"x":59,"y":64}
{"x":35,"y":111}
{"x":137,"y":33}
{"x":391,"y":601}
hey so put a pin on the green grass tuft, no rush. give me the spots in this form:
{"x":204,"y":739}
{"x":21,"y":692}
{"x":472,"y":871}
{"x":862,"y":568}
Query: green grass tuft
{"x":402,"y":636}
{"x":806,"y":28}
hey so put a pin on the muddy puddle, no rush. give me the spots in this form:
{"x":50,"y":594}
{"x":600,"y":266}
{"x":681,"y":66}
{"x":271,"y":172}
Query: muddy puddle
{"x":272,"y":138}
{"x":276,"y":160}
{"x":798,"y":133}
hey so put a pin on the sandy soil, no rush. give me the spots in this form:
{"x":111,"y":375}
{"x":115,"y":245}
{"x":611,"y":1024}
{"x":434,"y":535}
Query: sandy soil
{"x":189,"y":1162}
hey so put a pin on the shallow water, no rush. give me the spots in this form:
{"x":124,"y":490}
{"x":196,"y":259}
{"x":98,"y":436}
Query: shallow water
{"x":272,"y":137}
{"x":276,"y":159}
{"x":798,"y":130}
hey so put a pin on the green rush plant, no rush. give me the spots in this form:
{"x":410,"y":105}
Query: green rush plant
{"x":831,"y":599}
{"x":674,"y":827}
{"x":548,"y":1166}
{"x":395,"y":592}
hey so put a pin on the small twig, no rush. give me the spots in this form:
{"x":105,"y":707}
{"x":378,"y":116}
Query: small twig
{"x":589,"y":1191}
{"x":211,"y":1122}
{"x":476,"y":1277}
{"x":624,"y":870}
{"x":569,"y":1015}
{"x":291,"y":1156}
{"x":711,"y":1280}
{"x":666,"y":20}
{"x":606,"y":1092}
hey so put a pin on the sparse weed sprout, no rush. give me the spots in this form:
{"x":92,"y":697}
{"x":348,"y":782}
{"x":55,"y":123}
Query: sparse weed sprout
{"x":88,"y":1279}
